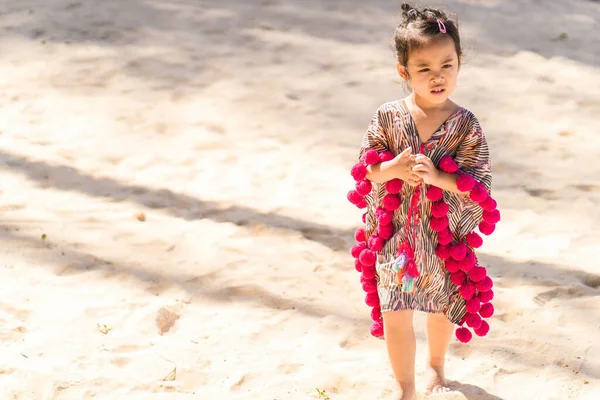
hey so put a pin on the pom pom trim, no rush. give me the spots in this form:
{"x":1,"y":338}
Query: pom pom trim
{"x":471,"y":279}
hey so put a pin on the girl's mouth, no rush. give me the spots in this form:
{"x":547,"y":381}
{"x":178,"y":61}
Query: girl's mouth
{"x":438,"y":91}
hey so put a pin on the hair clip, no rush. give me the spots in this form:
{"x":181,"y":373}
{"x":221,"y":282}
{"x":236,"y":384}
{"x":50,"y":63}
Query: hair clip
{"x":412,"y":11}
{"x":441,"y":26}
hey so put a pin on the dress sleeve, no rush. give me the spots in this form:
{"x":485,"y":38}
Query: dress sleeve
{"x":376,"y":135}
{"x":376,"y":138}
{"x":473,"y":155}
{"x":473,"y":158}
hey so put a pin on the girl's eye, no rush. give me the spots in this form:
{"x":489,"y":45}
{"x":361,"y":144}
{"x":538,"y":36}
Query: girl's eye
{"x":448,"y":66}
{"x":424,"y":70}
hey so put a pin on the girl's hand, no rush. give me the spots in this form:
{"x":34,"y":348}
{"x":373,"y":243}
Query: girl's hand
{"x":425,"y":169}
{"x":404,"y":167}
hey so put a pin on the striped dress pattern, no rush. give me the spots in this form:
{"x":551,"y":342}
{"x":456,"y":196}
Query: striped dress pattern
{"x":461,"y":137}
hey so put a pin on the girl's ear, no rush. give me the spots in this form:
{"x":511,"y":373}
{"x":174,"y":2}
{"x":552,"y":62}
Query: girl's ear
{"x":402,"y":71}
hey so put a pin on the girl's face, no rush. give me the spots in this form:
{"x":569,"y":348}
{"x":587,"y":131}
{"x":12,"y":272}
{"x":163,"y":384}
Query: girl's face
{"x":432,"y":70}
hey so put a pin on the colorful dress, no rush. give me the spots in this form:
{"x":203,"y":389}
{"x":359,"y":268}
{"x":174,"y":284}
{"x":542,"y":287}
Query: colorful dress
{"x":460,"y":137}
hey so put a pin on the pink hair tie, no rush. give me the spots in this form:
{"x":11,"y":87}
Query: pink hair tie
{"x":441,"y":26}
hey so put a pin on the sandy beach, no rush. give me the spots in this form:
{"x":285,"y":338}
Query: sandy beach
{"x":173,"y":198}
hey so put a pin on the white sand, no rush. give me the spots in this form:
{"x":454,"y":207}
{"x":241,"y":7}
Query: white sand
{"x":232,"y":125}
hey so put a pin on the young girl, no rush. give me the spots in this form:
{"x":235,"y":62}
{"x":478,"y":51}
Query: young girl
{"x":424,"y":178}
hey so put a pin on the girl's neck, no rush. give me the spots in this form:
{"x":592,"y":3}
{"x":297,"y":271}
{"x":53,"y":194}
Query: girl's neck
{"x":418,"y":102}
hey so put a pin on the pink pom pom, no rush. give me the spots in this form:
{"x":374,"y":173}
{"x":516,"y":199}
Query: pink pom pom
{"x":473,"y":320}
{"x":483,"y":329}
{"x":458,"y":278}
{"x":377,"y":329}
{"x":467,"y":291}
{"x":464,"y":335}
{"x":362,"y":204}
{"x":452,"y":265}
{"x":439,"y":209}
{"x":372,"y":299}
{"x":368,"y":272}
{"x":384,"y":216}
{"x":394,"y":186}
{"x":486,"y":297}
{"x":486,"y":229}
{"x":370,"y":285}
{"x":442,"y":251}
{"x":477,"y":274}
{"x":473,"y":305}
{"x":487,"y":310}
{"x":434,"y":193}
{"x":465,"y":183}
{"x":491,"y":217}
{"x":391,"y":202}
{"x":478,"y":193}
{"x":364,"y":218}
{"x":359,"y":172}
{"x":385,"y":231}
{"x":376,"y":314}
{"x":467,"y":263}
{"x":359,"y":235}
{"x":371,"y":157}
{"x":447,"y":164}
{"x":367,"y":257}
{"x":386,"y":156}
{"x":488,"y":204}
{"x":485,"y":285}
{"x":364,"y":187}
{"x":357,"y":249}
{"x":439,"y":224}
{"x":474,"y":240}
{"x":354,"y":197}
{"x":358,"y":265}
{"x":376,"y":243}
{"x":445,"y":236}
{"x":458,"y":251}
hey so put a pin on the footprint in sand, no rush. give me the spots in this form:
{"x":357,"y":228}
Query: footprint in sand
{"x":57,"y":388}
{"x":590,"y":280}
{"x":72,"y":6}
{"x":7,"y":371}
{"x":165,"y":319}
{"x":13,"y":322}
{"x":509,"y":316}
{"x":587,"y":187}
{"x":564,"y":293}
{"x":127,"y":348}
{"x":241,"y":383}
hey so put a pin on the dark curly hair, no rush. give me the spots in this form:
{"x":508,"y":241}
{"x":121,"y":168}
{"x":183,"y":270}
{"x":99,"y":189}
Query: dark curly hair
{"x":418,"y":27}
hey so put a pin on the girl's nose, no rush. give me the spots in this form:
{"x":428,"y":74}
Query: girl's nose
{"x":437,"y":77}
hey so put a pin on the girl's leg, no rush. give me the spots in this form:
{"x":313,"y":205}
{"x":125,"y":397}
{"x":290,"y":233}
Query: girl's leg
{"x":401,"y":346}
{"x":439,"y":334}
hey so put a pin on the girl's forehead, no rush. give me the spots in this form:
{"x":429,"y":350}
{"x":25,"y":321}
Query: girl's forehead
{"x":434,"y":51}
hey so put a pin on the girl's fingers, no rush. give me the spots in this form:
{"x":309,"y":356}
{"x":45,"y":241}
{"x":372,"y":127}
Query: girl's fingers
{"x":420,"y":168}
{"x":406,"y":152}
{"x":422,"y":159}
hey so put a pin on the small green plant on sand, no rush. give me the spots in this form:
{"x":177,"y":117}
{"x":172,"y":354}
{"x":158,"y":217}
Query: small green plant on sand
{"x":323,"y":394}
{"x":562,"y":36}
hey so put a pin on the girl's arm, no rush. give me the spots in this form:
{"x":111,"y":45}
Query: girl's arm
{"x":446,"y":181}
{"x":472,"y":158}
{"x":433,"y":176}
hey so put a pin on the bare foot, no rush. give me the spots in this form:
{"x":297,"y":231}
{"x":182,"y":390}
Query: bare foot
{"x":436,"y":382}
